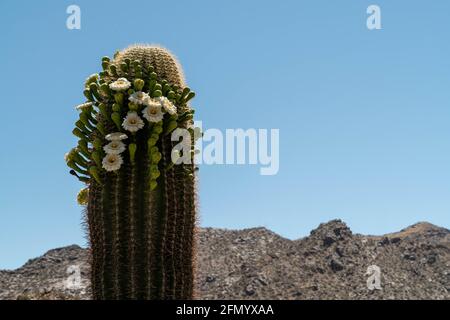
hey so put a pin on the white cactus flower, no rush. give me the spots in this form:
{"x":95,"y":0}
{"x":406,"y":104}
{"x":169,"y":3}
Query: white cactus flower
{"x":139,"y":97}
{"x":116,"y":136}
{"x":132,"y":122}
{"x":153,"y":112}
{"x":112,"y":162}
{"x":114,"y":147}
{"x":168,"y":105}
{"x":120,"y":84}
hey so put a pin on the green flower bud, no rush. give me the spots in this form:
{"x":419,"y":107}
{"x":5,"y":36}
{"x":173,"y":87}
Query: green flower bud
{"x":85,"y":119}
{"x":116,"y":107}
{"x":91,"y":79}
{"x":166,"y":88}
{"x":87,"y":93}
{"x":124,"y":67}
{"x":136,"y":63}
{"x":157,"y":87}
{"x":83,"y":147}
{"x":78,"y":158}
{"x":133,"y":106}
{"x":94,"y":90}
{"x":83,"y":197}
{"x":139,"y":84}
{"x":118,"y":97}
{"x":80,"y":125}
{"x":151,"y":142}
{"x":171,"y":95}
{"x":101,"y":128}
{"x":97,"y":143}
{"x":186,"y":91}
{"x":153,"y":185}
{"x":153,"y":75}
{"x":153,"y":150}
{"x":105,"y":65}
{"x":189,"y":96}
{"x":172,"y":125}
{"x":106,"y":58}
{"x":137,"y":69}
{"x":94,"y":173}
{"x":113,"y":70}
{"x":105,"y":89}
{"x":132,"y":150}
{"x":103,"y":109}
{"x":157,"y":128}
{"x":154,"y":136}
{"x":71,"y":164}
{"x":156,"y":157}
{"x":151,"y":84}
{"x":115,"y":117}
{"x":97,"y":158}
{"x":155,"y":174}
{"x":77,"y":132}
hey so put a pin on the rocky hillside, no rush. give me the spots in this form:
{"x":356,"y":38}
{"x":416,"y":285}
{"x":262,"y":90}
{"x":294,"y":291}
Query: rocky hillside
{"x":331,"y":263}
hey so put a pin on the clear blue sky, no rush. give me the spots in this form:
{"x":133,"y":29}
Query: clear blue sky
{"x":363,"y":115}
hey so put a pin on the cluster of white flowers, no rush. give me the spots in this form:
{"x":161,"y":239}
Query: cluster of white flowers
{"x":113,"y":160}
{"x":153,"y":112}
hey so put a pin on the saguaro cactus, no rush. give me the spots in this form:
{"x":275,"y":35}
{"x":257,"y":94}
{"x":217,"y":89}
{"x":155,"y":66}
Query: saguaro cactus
{"x":140,"y":206}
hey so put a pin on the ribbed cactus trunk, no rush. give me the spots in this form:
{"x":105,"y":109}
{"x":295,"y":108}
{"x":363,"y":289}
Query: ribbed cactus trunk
{"x":141,"y":218}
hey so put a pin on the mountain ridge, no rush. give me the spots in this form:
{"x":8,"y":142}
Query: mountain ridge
{"x":257,"y":263}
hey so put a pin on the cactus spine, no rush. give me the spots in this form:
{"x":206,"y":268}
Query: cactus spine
{"x":140,"y":207}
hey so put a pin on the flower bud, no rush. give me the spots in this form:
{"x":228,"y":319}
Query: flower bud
{"x":139,"y":84}
{"x":95,"y":174}
{"x":132,"y":150}
{"x":83,"y":197}
{"x":115,"y":117}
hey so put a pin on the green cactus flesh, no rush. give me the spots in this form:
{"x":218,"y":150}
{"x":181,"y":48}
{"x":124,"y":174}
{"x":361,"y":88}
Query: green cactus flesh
{"x":140,"y":207}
